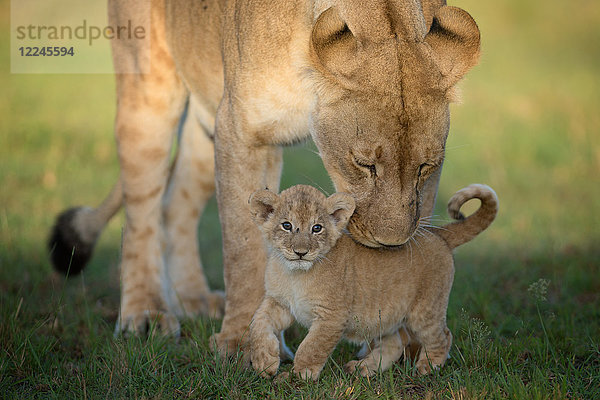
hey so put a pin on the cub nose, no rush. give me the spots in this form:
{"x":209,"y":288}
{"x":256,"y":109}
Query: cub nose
{"x":301,"y":253}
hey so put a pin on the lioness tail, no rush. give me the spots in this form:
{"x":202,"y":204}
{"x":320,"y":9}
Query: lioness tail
{"x":74,"y":234}
{"x":465,"y":229}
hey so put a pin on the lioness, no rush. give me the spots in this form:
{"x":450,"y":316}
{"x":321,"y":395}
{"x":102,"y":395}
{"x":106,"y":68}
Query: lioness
{"x":338,"y":288}
{"x":369,"y":81}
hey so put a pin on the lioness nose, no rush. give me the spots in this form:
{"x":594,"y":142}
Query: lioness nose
{"x":301,"y":253}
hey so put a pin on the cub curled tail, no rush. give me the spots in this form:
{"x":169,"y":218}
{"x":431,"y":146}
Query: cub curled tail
{"x":463,"y":230}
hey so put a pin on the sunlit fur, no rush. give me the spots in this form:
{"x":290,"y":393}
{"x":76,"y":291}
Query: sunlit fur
{"x":369,"y":81}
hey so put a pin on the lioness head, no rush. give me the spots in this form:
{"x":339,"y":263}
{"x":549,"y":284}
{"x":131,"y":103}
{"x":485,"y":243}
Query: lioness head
{"x":301,"y":225}
{"x":382,"y":117}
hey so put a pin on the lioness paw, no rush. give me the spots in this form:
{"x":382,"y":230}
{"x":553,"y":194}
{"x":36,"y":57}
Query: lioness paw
{"x":211,"y":304}
{"x":148,"y":323}
{"x":226,"y":346}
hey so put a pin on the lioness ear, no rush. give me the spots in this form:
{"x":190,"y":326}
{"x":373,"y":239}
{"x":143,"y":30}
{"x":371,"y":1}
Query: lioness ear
{"x":341,"y":207}
{"x":262,"y":205}
{"x":332,"y":41}
{"x":455,"y":39}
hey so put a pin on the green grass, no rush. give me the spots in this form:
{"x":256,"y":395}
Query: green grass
{"x":528,"y":126}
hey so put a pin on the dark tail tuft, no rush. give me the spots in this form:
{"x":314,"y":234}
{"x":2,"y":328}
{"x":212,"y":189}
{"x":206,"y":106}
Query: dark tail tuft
{"x":69,"y":252}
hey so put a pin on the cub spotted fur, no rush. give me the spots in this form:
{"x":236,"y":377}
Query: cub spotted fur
{"x":338,"y":288}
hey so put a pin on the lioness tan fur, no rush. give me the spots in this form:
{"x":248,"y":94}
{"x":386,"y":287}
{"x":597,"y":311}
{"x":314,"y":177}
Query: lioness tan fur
{"x":370,"y":82}
{"x":338,"y":288}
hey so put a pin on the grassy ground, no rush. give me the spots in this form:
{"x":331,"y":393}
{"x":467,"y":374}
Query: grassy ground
{"x":525,"y":308}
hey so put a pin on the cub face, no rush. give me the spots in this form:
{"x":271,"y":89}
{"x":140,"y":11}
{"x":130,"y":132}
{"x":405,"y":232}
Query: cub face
{"x":301,"y":225}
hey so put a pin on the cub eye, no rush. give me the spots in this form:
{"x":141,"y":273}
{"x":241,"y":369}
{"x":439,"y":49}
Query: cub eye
{"x":317,"y":228}
{"x":286,"y":226}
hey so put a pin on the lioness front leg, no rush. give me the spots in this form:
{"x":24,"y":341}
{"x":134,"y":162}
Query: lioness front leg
{"x":191,"y":184}
{"x":385,"y":353}
{"x":243,"y":165}
{"x":316,"y":347}
{"x":268,"y":322}
{"x":149,"y":108}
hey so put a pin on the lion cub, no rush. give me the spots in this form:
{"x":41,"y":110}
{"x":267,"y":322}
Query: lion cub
{"x":339,"y":288}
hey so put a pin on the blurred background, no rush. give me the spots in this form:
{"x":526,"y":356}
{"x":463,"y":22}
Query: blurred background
{"x":528,"y":126}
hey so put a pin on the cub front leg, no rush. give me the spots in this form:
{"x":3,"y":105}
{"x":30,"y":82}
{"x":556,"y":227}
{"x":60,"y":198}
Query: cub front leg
{"x":316,"y":347}
{"x":269,"y":321}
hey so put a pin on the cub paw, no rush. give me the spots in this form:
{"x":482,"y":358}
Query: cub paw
{"x":282,"y":377}
{"x":308,"y":373}
{"x":148,"y":323}
{"x":265,"y":357}
{"x":424,"y":367}
{"x":359,"y":366}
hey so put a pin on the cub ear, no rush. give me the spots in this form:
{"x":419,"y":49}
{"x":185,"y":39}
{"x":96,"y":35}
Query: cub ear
{"x":332,"y":42}
{"x":455,"y":39}
{"x":262,"y":205}
{"x":341,"y":207}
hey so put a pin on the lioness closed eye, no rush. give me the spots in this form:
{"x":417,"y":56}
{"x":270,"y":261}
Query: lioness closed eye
{"x":339,"y":288}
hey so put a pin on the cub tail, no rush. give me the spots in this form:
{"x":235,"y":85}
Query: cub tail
{"x":74,"y":234}
{"x":464,"y":229}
